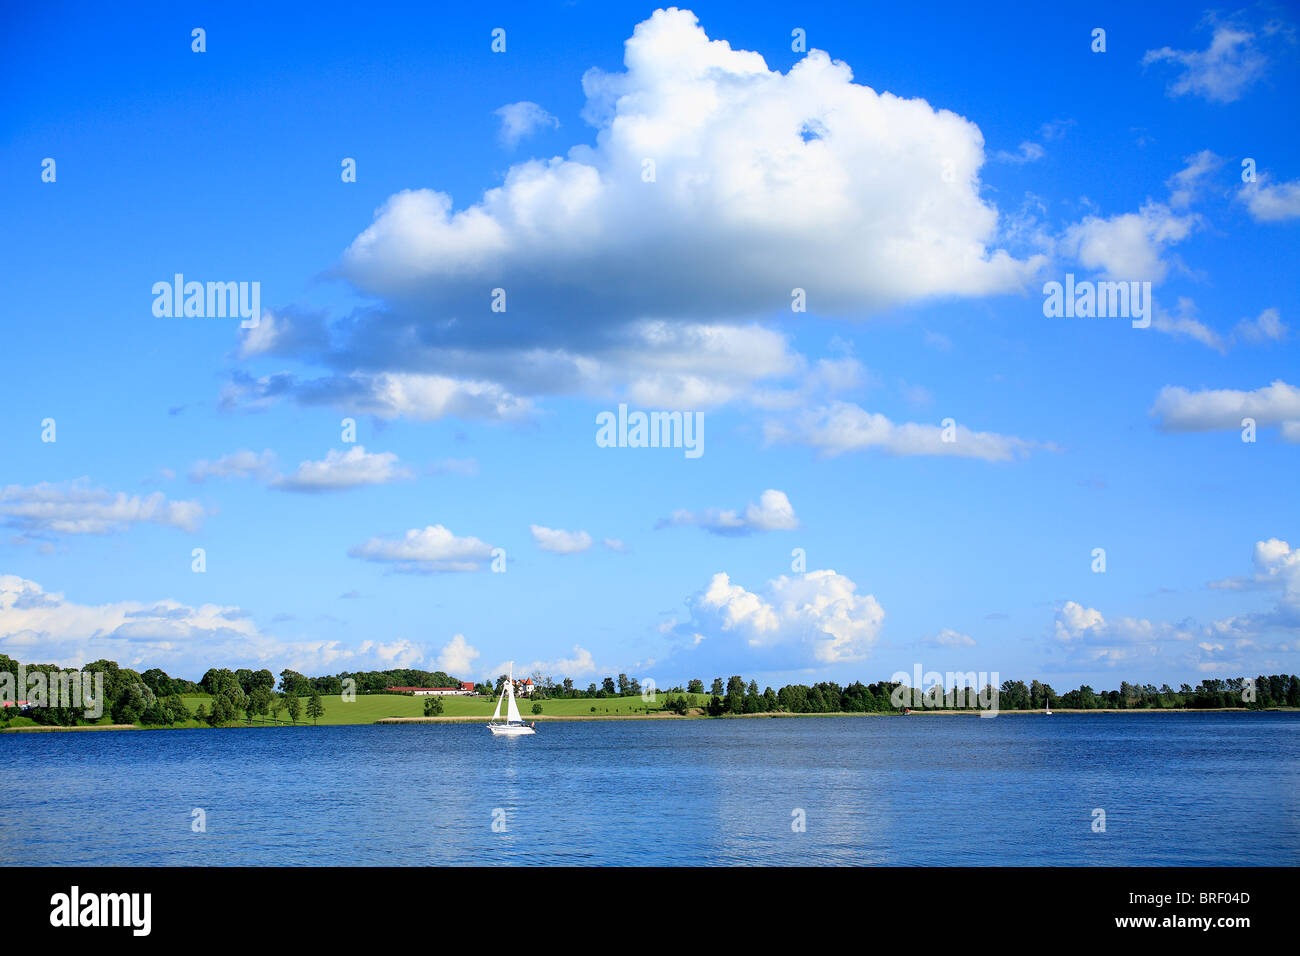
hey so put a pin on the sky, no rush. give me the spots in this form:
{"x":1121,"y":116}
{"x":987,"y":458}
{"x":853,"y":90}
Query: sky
{"x":826,"y":235}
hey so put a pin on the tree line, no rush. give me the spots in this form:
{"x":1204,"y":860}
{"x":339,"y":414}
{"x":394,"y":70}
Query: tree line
{"x":153,"y":698}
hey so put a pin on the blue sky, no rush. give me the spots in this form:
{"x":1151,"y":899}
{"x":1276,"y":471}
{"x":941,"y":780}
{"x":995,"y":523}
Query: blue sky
{"x":920,"y":185}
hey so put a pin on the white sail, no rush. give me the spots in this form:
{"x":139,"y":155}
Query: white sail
{"x":496,"y":714}
{"x":512,"y":711}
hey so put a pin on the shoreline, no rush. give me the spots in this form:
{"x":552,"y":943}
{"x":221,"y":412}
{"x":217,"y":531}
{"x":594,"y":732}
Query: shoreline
{"x":561,"y":718}
{"x":49,"y":728}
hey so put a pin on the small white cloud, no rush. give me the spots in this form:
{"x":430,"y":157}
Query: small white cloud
{"x":1056,"y":129}
{"x":1269,"y":202}
{"x":1184,"y":324}
{"x":950,"y":638}
{"x":580,"y":664}
{"x":522,"y":119}
{"x":240,"y":464}
{"x":772,"y":512}
{"x":561,"y":542}
{"x":1186,"y":184}
{"x":616,"y":544}
{"x":1219,"y":73}
{"x":457,"y":657}
{"x":843,"y":426}
{"x":430,"y":549}
{"x":350,"y":469}
{"x":76,"y":508}
{"x":1027,"y":153}
{"x":1181,"y":410}
{"x":1131,"y":245}
{"x":391,"y":654}
{"x":1266,"y":327}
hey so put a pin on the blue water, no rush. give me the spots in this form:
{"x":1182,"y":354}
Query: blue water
{"x":1176,"y":789}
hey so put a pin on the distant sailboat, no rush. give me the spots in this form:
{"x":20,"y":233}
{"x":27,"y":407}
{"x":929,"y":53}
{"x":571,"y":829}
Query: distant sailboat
{"x":514,"y":725}
{"x":1049,"y":707}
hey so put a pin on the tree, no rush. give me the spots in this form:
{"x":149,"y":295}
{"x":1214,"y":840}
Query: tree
{"x":716,"y":689}
{"x":734,"y":702}
{"x":607,"y":685}
{"x":259,"y":701}
{"x":432,"y":706}
{"x":293,"y":683}
{"x":294,"y":706}
{"x":315,"y":709}
{"x":695,"y":686}
{"x":1013,"y":695}
{"x":537,"y":708}
{"x":157,"y":681}
{"x":222,"y":712}
{"x":131,"y":704}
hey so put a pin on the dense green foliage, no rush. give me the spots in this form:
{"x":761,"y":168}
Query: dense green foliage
{"x":246,"y":696}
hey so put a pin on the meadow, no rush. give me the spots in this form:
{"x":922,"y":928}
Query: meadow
{"x":368,"y":708}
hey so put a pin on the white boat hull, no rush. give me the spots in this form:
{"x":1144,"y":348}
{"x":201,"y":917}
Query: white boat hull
{"x":509,"y":730}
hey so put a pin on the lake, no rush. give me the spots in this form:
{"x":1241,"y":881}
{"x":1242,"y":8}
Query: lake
{"x":1189,"y":789}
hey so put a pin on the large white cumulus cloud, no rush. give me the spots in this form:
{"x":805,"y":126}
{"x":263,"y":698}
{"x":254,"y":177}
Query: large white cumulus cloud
{"x":763,"y":181}
{"x":803,"y":620}
{"x":652,"y":286}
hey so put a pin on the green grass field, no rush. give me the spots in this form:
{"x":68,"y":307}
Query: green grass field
{"x":367,"y":708}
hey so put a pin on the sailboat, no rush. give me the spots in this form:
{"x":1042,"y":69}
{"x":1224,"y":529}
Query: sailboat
{"x":514,"y":725}
{"x":1049,"y":707}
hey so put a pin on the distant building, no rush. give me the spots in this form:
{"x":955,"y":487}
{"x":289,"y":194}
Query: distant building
{"x":524,"y":688}
{"x":460,"y":691}
{"x":467,"y":686}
